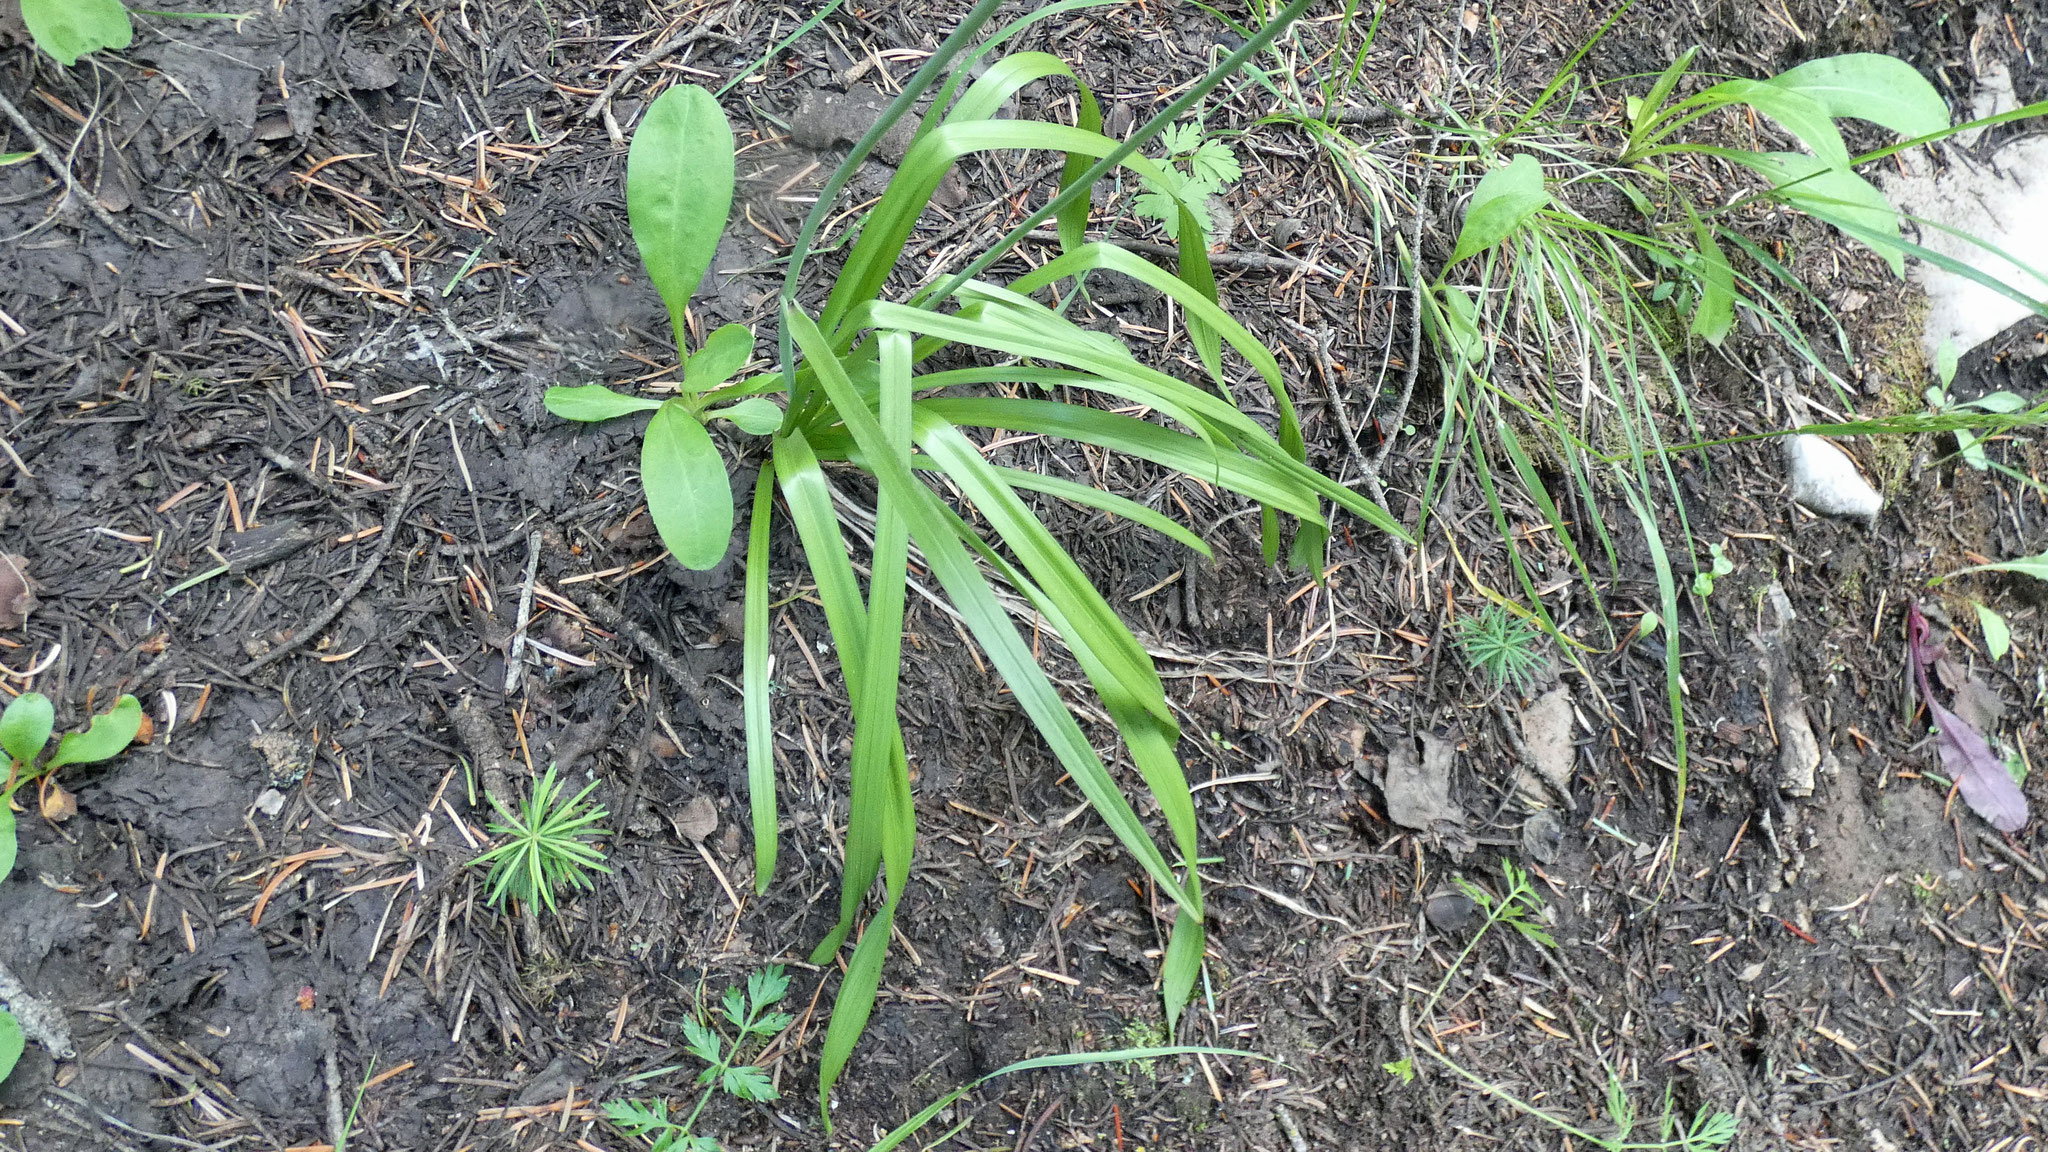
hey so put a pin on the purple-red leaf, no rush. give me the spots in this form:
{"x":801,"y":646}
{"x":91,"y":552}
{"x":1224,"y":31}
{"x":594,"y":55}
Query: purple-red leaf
{"x":1965,"y":755}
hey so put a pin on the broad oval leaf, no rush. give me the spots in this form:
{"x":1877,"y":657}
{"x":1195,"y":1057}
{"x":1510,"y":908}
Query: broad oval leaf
{"x":1870,"y":86}
{"x":753,"y":415}
{"x":1794,"y":111}
{"x":1505,"y":198}
{"x":679,"y":191}
{"x":68,"y":29}
{"x":10,"y":1041}
{"x":590,"y":403}
{"x":725,"y":352}
{"x":104,"y":740}
{"x":25,"y":726}
{"x":688,"y":494}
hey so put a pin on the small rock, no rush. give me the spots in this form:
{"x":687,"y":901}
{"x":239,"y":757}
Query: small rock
{"x":370,"y":71}
{"x":825,"y":120}
{"x":1826,"y":481}
{"x":1542,"y":836}
{"x":1451,"y":911}
{"x":270,"y":802}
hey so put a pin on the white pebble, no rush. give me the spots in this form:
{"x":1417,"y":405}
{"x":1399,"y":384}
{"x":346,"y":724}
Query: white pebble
{"x":1826,"y":481}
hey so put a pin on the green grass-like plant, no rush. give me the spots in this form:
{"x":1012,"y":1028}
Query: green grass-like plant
{"x":870,"y":393}
{"x":1519,"y":907}
{"x":547,"y":846}
{"x":1558,"y":336}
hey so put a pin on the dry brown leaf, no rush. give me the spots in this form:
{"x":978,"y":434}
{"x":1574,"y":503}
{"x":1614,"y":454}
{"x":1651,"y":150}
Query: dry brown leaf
{"x":1547,"y":733}
{"x":57,"y":804}
{"x":697,"y":820}
{"x":17,"y":591}
{"x":1418,"y":788}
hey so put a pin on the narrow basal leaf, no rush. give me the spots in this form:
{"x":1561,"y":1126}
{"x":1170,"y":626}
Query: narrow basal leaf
{"x":1192,"y":244}
{"x":590,"y":403}
{"x":808,"y":495}
{"x":68,"y":29}
{"x":1646,"y":112}
{"x":1505,"y":198}
{"x":2035,"y":566}
{"x":881,"y":787}
{"x":755,"y":686}
{"x":882,"y":239}
{"x":104,"y":739}
{"x":725,"y":352}
{"x":26,"y":725}
{"x":988,"y":621}
{"x":689,"y":496}
{"x":679,"y":176}
{"x":1870,"y":86}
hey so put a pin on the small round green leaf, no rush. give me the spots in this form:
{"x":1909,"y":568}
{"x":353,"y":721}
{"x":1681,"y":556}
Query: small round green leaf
{"x":688,"y":493}
{"x":10,"y":1043}
{"x":753,"y":415}
{"x":725,"y":352}
{"x":592,"y":402}
{"x":104,"y":740}
{"x":679,"y":191}
{"x":68,"y":29}
{"x":25,"y":726}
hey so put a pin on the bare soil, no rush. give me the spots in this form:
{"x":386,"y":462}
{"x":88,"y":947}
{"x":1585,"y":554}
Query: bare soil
{"x":366,"y":236}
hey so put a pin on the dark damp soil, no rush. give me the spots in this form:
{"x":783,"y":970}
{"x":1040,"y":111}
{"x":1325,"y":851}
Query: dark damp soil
{"x":356,"y":243}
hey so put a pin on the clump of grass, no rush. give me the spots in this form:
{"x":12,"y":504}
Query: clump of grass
{"x":867,"y":398}
{"x":547,"y":848}
{"x":1506,"y":650}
